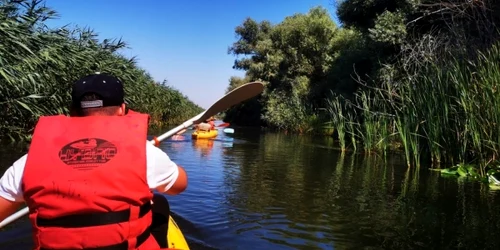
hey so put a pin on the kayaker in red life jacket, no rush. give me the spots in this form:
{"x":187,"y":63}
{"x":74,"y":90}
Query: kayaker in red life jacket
{"x":88,"y":179}
{"x":211,"y":121}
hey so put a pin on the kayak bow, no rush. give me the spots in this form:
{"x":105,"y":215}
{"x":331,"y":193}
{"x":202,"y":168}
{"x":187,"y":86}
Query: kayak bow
{"x":175,"y":237}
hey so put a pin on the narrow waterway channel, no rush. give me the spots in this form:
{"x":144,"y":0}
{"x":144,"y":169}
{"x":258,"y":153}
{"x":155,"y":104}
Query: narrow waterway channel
{"x":259,"y":190}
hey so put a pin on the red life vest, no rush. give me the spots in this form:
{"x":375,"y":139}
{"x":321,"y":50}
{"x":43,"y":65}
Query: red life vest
{"x":85,"y":182}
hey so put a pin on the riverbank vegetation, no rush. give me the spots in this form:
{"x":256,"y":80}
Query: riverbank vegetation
{"x":417,"y":76}
{"x":38,"y":64}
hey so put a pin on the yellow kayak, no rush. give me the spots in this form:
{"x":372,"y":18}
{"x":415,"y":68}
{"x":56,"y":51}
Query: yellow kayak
{"x":175,"y":237}
{"x":203,"y":134}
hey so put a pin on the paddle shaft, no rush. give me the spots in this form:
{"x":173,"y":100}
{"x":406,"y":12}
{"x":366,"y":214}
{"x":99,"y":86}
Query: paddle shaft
{"x":236,"y":96}
{"x":14,"y":217}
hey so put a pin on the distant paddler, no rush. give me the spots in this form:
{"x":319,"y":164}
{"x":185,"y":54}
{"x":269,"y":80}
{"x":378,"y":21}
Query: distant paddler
{"x":208,"y":125}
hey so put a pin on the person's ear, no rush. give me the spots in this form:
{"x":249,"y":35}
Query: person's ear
{"x":122,"y":110}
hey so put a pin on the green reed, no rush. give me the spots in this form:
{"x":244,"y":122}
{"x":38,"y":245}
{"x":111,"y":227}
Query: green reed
{"x":38,"y":65}
{"x":339,"y":121}
{"x":443,"y":112}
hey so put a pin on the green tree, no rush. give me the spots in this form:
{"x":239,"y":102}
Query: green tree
{"x":294,"y":59}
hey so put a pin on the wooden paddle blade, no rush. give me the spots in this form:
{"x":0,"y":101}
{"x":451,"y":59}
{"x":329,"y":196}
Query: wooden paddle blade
{"x":237,"y":95}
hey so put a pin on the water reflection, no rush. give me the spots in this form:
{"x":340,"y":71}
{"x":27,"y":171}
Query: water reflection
{"x":275,"y":191}
{"x":290,"y":192}
{"x":203,"y":146}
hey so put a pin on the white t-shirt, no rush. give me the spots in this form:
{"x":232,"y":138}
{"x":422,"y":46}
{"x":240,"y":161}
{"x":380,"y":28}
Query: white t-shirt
{"x":161,"y":174}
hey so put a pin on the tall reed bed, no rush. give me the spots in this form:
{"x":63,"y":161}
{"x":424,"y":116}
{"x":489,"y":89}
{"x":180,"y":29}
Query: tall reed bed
{"x":443,"y":113}
{"x":38,"y":65}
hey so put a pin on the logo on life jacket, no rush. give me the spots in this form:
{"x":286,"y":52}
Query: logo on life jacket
{"x":86,"y":154}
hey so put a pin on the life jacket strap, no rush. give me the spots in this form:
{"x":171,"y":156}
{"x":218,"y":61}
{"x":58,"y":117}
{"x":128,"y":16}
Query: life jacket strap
{"x":92,"y":219}
{"x":120,"y":246}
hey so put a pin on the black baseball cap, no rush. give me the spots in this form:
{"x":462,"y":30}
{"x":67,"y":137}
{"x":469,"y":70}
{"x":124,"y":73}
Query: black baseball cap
{"x":108,"y":87}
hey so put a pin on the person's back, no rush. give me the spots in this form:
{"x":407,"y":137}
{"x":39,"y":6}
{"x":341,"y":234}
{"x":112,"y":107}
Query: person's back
{"x":204,"y":126}
{"x":91,"y":175}
{"x":209,"y":124}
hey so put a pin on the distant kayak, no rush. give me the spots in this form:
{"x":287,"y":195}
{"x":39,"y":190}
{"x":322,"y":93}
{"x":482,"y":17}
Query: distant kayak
{"x":228,"y":130}
{"x":203,"y":134}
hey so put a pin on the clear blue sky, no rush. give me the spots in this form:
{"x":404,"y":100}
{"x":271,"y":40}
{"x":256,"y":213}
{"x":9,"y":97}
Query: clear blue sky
{"x":184,"y":42}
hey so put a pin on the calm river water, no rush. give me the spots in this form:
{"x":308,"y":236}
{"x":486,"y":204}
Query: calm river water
{"x":259,"y":190}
